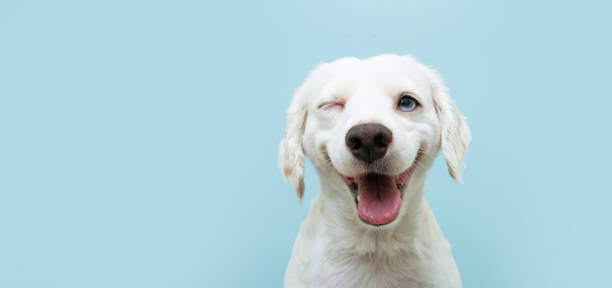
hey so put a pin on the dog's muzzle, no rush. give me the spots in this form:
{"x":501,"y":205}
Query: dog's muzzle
{"x":378,"y":196}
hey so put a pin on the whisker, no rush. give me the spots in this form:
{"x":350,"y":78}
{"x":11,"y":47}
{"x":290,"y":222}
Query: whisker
{"x":325,"y":154}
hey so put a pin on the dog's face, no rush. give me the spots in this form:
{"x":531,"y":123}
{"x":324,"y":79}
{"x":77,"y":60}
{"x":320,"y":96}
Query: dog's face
{"x":370,"y":127}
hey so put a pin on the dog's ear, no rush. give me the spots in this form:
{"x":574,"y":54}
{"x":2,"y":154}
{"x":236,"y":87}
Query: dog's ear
{"x":291,"y":150}
{"x":454,"y":132}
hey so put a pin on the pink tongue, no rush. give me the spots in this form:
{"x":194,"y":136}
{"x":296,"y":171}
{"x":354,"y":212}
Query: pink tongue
{"x":379,"y":198}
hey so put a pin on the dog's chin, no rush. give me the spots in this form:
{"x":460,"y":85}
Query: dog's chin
{"x":378,"y":196}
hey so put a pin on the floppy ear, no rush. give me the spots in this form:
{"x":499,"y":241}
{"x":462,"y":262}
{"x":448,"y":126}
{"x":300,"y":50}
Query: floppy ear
{"x":291,"y":152}
{"x":454,"y":133}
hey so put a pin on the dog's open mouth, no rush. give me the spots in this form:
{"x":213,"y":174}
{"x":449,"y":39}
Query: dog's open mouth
{"x":378,"y":197}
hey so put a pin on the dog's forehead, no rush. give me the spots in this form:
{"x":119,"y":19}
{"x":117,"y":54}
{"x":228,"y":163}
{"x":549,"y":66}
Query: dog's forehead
{"x":390,"y":73}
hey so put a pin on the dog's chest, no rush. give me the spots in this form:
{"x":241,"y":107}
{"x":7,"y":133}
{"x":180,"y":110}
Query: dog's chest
{"x":372,"y":271}
{"x":331,"y":267}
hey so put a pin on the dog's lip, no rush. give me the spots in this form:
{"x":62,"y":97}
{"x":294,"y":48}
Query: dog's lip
{"x":400,"y":181}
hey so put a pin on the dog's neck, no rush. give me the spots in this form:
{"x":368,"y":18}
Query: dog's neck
{"x":336,"y":209}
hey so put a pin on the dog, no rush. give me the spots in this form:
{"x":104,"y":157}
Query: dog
{"x":372,"y":128}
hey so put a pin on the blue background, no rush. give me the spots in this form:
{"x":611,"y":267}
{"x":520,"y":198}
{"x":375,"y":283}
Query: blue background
{"x":138,"y":139}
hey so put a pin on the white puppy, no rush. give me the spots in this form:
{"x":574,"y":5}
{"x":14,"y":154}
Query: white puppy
{"x":372,"y":128}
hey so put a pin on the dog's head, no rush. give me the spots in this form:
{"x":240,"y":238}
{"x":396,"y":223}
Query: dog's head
{"x":371,"y":127}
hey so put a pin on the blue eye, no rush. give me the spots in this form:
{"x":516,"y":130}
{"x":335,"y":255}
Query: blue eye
{"x":407,"y":104}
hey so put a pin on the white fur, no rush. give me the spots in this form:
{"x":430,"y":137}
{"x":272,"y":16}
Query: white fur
{"x":334,"y":247}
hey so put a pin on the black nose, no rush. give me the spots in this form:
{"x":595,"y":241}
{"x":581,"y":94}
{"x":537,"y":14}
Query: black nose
{"x":368,"y":142}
